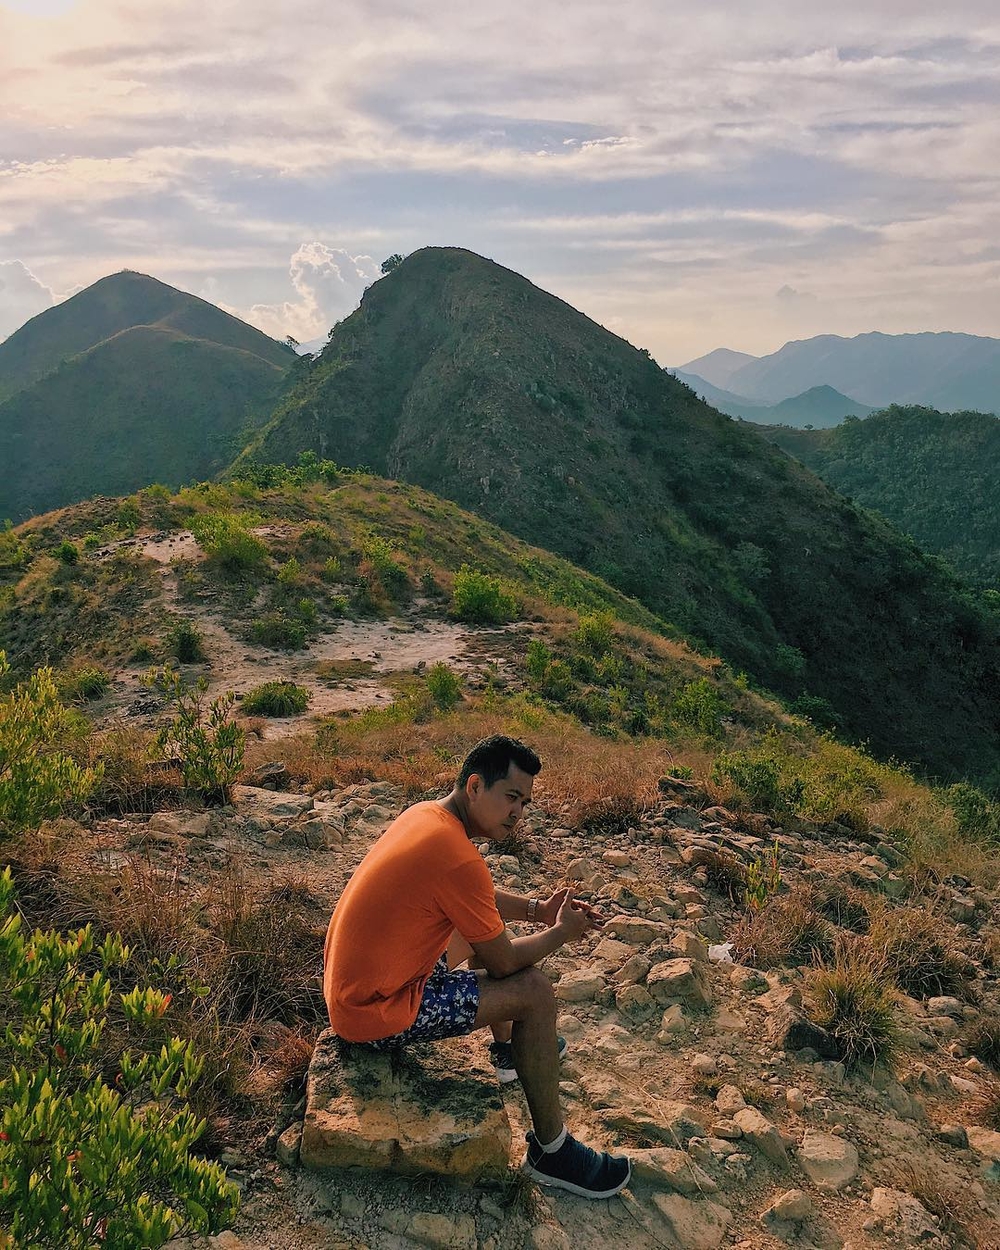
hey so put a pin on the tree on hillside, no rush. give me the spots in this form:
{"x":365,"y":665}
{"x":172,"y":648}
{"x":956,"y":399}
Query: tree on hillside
{"x":391,"y":262}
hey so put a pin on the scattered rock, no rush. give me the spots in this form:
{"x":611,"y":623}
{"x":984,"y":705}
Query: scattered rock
{"x":902,"y":1216}
{"x":693,"y":1225}
{"x":578,"y":986}
{"x":681,"y":980}
{"x":673,"y":1169}
{"x":762,"y":1134}
{"x":451,"y":1232}
{"x":829,"y":1162}
{"x":287,"y":1146}
{"x":793,"y":1206}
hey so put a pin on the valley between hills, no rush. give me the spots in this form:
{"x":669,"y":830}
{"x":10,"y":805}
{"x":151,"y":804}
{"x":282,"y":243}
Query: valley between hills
{"x":768,"y":729}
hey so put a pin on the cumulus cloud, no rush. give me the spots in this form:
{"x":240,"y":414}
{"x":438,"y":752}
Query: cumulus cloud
{"x":329,"y":283}
{"x":22,"y":296}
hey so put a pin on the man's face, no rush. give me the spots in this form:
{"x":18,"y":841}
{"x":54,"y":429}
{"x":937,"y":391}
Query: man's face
{"x":495,"y":811}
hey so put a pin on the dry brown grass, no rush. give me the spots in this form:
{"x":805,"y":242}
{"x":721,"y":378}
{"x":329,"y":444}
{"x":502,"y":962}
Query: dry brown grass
{"x":786,"y":930}
{"x":843,"y":905}
{"x":954,"y":1208}
{"x":851,"y":998}
{"x":725,"y":872}
{"x":918,"y":950}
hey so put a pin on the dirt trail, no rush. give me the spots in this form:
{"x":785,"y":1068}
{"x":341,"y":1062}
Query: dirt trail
{"x":370,"y":650}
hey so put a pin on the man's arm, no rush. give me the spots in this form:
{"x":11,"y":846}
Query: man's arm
{"x":502,"y":957}
{"x":541,"y":910}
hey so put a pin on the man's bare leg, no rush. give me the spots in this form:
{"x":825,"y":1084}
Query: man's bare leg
{"x":526,"y":999}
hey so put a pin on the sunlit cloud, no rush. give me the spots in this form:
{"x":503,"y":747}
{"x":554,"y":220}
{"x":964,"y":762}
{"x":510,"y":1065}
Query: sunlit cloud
{"x":668,"y":177}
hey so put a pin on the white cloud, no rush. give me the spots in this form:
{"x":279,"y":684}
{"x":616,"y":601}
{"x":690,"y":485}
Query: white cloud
{"x":329,"y":283}
{"x":22,"y":296}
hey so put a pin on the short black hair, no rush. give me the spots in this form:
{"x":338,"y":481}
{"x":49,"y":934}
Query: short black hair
{"x":492,"y":757}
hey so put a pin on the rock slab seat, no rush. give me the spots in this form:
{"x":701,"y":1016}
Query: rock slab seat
{"x":434,"y":1107}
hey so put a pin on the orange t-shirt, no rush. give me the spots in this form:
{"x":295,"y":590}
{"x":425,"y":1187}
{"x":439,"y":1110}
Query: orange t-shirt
{"x":421,"y":880}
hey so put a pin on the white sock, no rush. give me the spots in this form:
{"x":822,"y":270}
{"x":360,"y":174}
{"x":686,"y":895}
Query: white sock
{"x":553,"y":1146}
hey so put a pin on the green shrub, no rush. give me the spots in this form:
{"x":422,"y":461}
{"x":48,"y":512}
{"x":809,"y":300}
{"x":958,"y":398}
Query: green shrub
{"x":38,"y":778}
{"x":185,"y":644}
{"x":204,"y":742}
{"x":279,"y":631}
{"x":537,"y":659}
{"x":757,"y":774}
{"x":700,"y":705}
{"x":67,"y":553}
{"x":84,"y":684}
{"x":820,"y":711}
{"x":481,"y":599}
{"x":763,"y":878}
{"x":595,"y":633}
{"x":83,"y":1163}
{"x":91,"y":542}
{"x":978,"y":815}
{"x":332,"y":571}
{"x":276,"y":698}
{"x":445,"y":686}
{"x":383,"y":559}
{"x":226,"y":539}
{"x":129,"y":513}
{"x":290,"y":573}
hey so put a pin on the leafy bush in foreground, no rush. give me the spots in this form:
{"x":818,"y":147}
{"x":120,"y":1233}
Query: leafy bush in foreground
{"x":276,"y":698}
{"x":37,"y":778}
{"x":83,"y":1164}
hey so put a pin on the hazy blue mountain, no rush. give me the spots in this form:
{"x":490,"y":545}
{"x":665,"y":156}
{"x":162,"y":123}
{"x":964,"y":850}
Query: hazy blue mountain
{"x":946,"y":371}
{"x":820,"y":407}
{"x":719,"y":366}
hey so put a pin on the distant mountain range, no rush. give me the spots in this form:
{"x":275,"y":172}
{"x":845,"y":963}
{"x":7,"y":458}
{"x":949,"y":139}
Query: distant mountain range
{"x":950,"y":372}
{"x":462,"y":377}
{"x":128,"y":382}
{"x":821,"y":407}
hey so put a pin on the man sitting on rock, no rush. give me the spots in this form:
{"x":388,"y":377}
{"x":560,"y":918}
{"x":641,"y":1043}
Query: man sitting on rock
{"x":386,"y":969}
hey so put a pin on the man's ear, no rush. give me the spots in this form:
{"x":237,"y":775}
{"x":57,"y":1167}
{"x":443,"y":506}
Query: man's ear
{"x":473,"y":786}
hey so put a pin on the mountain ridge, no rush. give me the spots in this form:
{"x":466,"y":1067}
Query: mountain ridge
{"x":464,"y":378}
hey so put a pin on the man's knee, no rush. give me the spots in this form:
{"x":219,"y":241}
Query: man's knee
{"x":539,"y":996}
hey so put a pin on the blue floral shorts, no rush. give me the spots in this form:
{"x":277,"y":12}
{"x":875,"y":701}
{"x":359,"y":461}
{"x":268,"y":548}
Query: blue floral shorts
{"x":447,"y":1009}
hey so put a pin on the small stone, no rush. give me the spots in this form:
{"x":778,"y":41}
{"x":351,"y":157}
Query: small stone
{"x":830,"y":1162}
{"x":762,"y":1134}
{"x":548,"y":1237}
{"x":635,"y":1002}
{"x":578,"y":986}
{"x":795,"y":1100}
{"x":793,"y":1205}
{"x":617,"y":859}
{"x":227,"y":1240}
{"x":727,"y":1130}
{"x":287,"y":1146}
{"x":704,"y":1065}
{"x":953,"y":1135}
{"x":729,"y":1100}
{"x":674,"y":1021}
{"x":577,"y":870}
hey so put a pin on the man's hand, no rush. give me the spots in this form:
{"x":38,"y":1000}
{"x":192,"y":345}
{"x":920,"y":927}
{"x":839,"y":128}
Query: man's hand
{"x":548,"y":911}
{"x":573,"y":921}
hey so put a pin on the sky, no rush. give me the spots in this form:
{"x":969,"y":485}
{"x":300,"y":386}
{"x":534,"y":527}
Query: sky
{"x":693,"y":175}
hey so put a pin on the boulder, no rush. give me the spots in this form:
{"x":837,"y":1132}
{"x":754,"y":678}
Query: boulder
{"x":762,"y":1134}
{"x":434,"y":1107}
{"x":903,"y":1216}
{"x":680,"y":980}
{"x":693,"y":1225}
{"x":270,"y":804}
{"x":986,"y":1143}
{"x":829,"y":1162}
{"x":578,"y":986}
{"x":788,"y":1029}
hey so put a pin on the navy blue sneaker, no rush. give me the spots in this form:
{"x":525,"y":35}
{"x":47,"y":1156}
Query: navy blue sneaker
{"x":578,"y":1168}
{"x":503,"y":1060}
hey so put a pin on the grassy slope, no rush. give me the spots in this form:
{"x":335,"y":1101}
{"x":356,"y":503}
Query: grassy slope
{"x":147,"y":405}
{"x":111,"y":305}
{"x":933,"y":474}
{"x":462,"y":376}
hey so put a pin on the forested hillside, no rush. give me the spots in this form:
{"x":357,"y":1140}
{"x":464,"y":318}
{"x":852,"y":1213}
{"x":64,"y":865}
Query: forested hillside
{"x":933,"y":474}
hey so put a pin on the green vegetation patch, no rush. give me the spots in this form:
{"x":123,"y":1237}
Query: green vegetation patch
{"x":276,"y":698}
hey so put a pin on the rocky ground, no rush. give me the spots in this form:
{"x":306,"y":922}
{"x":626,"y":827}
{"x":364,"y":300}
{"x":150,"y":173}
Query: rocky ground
{"x":705,"y":1070}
